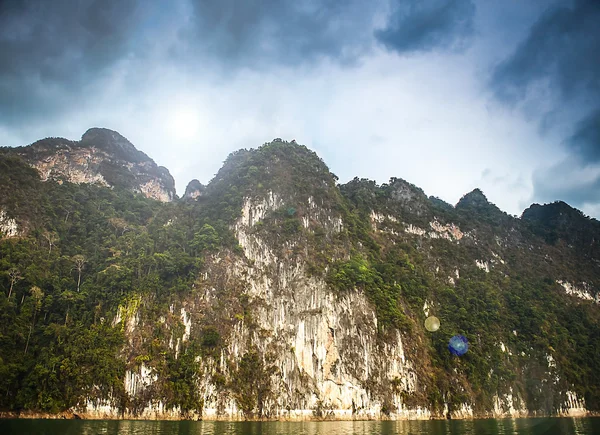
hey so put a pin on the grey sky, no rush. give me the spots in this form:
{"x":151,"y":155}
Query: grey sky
{"x":448,"y":94}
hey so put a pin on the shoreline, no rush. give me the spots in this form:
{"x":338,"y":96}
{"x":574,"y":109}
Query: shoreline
{"x":70,"y":415}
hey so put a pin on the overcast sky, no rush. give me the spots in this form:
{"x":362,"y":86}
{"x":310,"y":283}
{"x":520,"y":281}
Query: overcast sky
{"x":447,"y":94}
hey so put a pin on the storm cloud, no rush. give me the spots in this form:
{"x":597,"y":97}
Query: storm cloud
{"x":576,"y":178}
{"x":258,"y":32}
{"x":51,"y":51}
{"x":379,"y":89}
{"x":561,"y":52}
{"x":55,"y":56}
{"x":425,"y":25}
{"x":556,"y":71}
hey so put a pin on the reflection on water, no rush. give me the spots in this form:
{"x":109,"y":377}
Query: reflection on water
{"x":530,"y":426}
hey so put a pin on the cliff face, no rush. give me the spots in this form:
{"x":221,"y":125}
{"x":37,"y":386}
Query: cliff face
{"x":102,"y":157}
{"x":277,"y":293}
{"x":321,"y":349}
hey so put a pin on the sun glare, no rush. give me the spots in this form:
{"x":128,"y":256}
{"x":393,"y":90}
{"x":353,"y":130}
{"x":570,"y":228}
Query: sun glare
{"x":184,"y":124}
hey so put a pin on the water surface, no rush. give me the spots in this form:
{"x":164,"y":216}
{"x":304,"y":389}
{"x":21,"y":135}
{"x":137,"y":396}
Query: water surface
{"x":529,"y":426}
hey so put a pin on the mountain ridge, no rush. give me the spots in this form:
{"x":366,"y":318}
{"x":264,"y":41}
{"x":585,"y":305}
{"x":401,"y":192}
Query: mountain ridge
{"x":114,"y":143}
{"x":274,"y":292}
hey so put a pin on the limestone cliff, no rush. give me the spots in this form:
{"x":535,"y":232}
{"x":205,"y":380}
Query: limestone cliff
{"x":102,"y":157}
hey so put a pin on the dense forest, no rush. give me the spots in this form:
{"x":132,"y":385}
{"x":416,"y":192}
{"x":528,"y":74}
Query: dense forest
{"x":89,"y":258}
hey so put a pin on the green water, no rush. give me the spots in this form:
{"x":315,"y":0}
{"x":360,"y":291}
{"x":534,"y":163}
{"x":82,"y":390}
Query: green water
{"x":530,"y":426}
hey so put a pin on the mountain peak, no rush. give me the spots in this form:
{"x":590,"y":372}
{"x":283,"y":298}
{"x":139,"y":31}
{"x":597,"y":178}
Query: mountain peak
{"x":403,"y":191}
{"x":101,"y":131}
{"x":559,"y":221}
{"x":290,"y":172}
{"x":194,"y":189}
{"x":475,"y":198}
{"x":114,"y":143}
{"x":553,"y":211}
{"x":475,"y":203}
{"x":102,"y":157}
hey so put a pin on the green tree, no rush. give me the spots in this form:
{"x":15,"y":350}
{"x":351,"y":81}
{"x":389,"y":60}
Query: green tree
{"x":206,"y":239}
{"x":251,"y":382}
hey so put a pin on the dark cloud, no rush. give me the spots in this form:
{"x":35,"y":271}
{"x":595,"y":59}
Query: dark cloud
{"x":256,"y":33}
{"x":562,"y":49}
{"x":560,"y":57}
{"x":582,"y":194}
{"x":586,"y":140}
{"x":575,"y":179}
{"x":50,"y":38}
{"x":56,"y":55}
{"x":49,"y":51}
{"x":424,"y":25}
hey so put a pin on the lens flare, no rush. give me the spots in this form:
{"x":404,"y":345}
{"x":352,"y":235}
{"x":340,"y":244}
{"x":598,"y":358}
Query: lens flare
{"x":432,"y":323}
{"x":458,"y":345}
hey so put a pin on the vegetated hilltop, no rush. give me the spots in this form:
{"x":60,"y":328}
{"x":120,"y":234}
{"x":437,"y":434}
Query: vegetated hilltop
{"x":102,"y":157}
{"x":275,"y":292}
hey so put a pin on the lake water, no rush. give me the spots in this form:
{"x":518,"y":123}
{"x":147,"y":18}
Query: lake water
{"x":529,"y":426}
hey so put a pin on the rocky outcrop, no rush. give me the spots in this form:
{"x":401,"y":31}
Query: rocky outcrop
{"x":102,"y":157}
{"x":8,"y":226}
{"x":194,"y":190}
{"x":584,"y":292}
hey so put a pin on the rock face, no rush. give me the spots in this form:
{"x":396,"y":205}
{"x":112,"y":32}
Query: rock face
{"x":8,"y":226}
{"x":323,"y":348}
{"x":102,"y":157}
